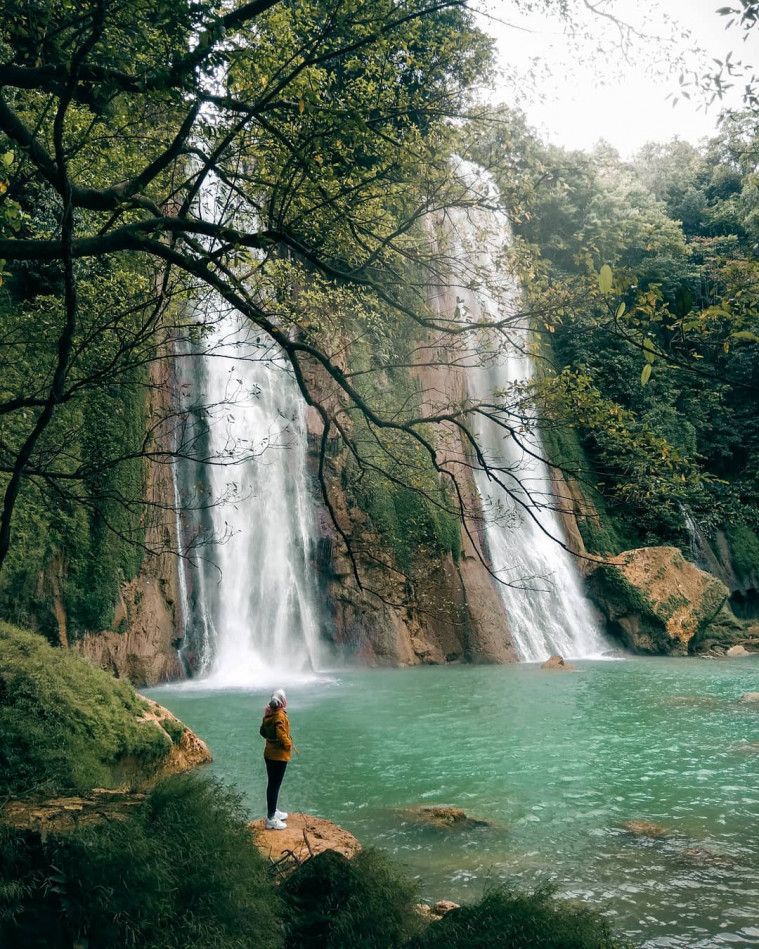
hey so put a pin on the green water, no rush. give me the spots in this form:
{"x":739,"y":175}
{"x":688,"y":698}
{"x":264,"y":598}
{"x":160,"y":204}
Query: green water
{"x":557,"y":762}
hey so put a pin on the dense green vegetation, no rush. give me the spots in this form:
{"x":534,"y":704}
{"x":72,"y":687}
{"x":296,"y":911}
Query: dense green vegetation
{"x":514,"y":919}
{"x":77,"y":535}
{"x":181,"y":871}
{"x":652,"y":361}
{"x":178,"y":871}
{"x":67,"y":726}
{"x":333,"y":902}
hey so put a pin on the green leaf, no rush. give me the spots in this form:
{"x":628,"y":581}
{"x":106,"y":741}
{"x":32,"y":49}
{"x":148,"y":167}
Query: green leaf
{"x":649,"y":352}
{"x":747,"y":335}
{"x":8,"y":158}
{"x":646,"y":374}
{"x":605,"y":279}
{"x":620,"y":309}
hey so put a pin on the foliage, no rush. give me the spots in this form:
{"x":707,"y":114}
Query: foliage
{"x":323,"y":131}
{"x":66,"y":725}
{"x":510,"y":919}
{"x":744,"y":549}
{"x":646,"y":276}
{"x":83,"y":533}
{"x":335,"y":903}
{"x":178,"y":871}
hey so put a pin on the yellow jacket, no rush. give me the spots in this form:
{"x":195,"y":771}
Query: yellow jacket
{"x":275,"y":728}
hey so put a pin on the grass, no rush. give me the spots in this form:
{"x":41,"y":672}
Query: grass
{"x":335,"y":903}
{"x":513,"y":919}
{"x":179,"y":871}
{"x":66,"y":725}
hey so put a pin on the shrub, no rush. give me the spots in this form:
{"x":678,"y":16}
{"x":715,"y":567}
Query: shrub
{"x":66,"y":725}
{"x":505,"y":919}
{"x":179,"y":871}
{"x":335,"y":903}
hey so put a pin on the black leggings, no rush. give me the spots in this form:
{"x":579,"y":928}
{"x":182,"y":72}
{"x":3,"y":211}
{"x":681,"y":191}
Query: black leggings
{"x":275,"y":771}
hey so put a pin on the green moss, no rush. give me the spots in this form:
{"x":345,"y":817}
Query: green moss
{"x":407,"y":503}
{"x":66,"y":725}
{"x":407,"y":519}
{"x":605,"y":534}
{"x":174,"y":729}
{"x":618,"y":592}
{"x":744,"y":548}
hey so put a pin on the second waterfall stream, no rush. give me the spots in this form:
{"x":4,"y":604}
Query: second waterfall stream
{"x":540,"y":586}
{"x":251,"y":598}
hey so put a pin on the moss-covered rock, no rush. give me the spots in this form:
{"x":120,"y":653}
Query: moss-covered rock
{"x":69,"y":727}
{"x":655,"y":600}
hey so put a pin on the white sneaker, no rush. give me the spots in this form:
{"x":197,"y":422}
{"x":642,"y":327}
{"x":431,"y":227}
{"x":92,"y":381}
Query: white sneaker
{"x":281,"y":815}
{"x":275,"y":824}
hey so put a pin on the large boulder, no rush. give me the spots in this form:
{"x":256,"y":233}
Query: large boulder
{"x":655,"y":600}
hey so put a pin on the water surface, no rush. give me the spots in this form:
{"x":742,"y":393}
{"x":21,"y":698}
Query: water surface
{"x":556,"y":761}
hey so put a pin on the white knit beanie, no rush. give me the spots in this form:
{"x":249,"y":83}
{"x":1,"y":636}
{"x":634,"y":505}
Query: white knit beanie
{"x":278,"y":698}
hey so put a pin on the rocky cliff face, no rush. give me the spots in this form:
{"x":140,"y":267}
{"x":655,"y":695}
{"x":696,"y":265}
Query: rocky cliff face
{"x":441,"y":610}
{"x":142,"y":643}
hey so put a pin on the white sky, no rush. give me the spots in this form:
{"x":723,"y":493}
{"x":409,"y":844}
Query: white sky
{"x":589,"y":92}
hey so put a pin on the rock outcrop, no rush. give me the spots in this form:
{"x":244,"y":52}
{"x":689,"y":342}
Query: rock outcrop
{"x":656,"y":601}
{"x":443,"y":817}
{"x":559,"y":663}
{"x":441,"y":610}
{"x":646,"y":828}
{"x":305,"y":836}
{"x":143,"y":645}
{"x":187,"y":751}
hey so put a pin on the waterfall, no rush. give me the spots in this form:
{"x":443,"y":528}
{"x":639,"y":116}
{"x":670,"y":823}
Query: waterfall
{"x":541,"y":590}
{"x":251,"y":612}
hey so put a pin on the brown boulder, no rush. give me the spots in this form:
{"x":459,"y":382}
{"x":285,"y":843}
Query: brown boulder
{"x":736,"y":651}
{"x":750,"y":697}
{"x":444,"y":817}
{"x":645,"y":828}
{"x":558,"y":662}
{"x":187,"y":750}
{"x":655,"y":600}
{"x":444,"y":906}
{"x":304,"y":837}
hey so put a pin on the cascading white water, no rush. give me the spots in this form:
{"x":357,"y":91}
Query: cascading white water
{"x":542,"y":594}
{"x":254,"y":605}
{"x":252,"y":616}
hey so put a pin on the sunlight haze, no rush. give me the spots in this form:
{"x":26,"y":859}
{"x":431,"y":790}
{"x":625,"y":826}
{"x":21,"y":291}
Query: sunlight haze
{"x":585,"y":90}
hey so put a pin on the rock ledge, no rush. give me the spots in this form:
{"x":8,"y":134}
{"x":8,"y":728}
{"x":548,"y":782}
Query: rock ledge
{"x":305,"y":837}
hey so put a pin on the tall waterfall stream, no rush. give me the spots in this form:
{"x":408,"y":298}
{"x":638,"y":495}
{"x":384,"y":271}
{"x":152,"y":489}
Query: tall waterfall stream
{"x":541,"y":589}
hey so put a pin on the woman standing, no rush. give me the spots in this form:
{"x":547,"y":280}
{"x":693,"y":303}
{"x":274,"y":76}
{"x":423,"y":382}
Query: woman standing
{"x":275,"y":728}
